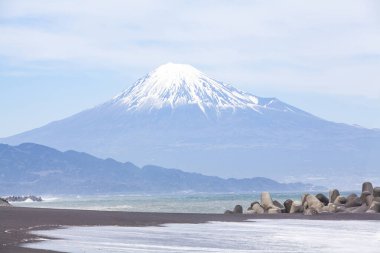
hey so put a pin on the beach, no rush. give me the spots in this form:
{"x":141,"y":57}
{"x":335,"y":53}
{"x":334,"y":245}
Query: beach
{"x":16,"y":223}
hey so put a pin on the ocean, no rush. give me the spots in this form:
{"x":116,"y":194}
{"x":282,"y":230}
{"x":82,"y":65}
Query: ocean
{"x":264,"y":236}
{"x":173,"y":203}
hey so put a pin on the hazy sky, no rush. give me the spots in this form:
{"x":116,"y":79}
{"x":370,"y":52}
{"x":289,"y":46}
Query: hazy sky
{"x":60,"y":57}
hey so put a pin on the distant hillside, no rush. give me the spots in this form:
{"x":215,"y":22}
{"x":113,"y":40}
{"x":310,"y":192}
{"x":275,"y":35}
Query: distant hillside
{"x":31,"y":168}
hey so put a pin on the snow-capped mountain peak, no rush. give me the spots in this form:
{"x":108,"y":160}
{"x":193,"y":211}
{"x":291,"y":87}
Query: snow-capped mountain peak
{"x":178,"y":117}
{"x":175,"y":85}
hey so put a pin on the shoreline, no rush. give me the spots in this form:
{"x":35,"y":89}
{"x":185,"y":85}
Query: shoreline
{"x":17,"y":222}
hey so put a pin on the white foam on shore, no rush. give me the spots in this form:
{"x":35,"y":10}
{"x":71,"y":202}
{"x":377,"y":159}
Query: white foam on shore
{"x":258,"y":236}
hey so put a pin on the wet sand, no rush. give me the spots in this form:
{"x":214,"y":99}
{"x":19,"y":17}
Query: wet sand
{"x":16,"y":222}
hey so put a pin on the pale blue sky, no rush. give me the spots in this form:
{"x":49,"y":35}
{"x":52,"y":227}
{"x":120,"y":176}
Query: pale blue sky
{"x":60,"y":57}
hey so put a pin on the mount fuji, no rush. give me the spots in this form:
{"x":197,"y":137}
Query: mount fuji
{"x":176,"y":116}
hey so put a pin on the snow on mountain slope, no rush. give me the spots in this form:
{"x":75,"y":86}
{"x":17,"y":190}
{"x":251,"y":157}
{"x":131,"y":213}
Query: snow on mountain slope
{"x":174,"y":85}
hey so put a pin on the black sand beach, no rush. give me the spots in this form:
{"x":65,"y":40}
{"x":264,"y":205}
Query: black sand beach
{"x":16,"y":222}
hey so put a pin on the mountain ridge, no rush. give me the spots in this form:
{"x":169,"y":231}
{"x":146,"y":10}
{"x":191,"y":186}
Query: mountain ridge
{"x":36,"y":169}
{"x":278,"y":140}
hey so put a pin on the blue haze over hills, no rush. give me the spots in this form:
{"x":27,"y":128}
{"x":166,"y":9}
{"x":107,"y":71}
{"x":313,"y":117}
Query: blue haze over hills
{"x":178,"y":117}
{"x":32,"y":168}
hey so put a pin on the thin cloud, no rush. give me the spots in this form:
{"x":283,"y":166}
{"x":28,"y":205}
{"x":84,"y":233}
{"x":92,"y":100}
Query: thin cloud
{"x":313,"y":46}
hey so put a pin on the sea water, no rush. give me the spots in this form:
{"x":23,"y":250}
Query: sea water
{"x":179,"y":203}
{"x":267,"y":236}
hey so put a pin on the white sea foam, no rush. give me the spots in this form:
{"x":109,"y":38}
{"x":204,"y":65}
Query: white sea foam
{"x":50,"y":198}
{"x":258,"y":236}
